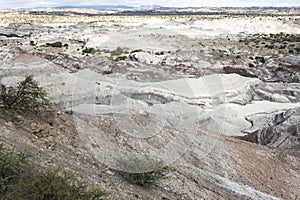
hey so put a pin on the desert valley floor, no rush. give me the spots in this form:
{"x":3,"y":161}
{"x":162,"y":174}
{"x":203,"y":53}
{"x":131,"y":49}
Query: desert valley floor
{"x":215,"y":97}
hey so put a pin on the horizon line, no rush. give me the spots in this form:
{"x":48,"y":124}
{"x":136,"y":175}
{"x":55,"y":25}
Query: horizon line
{"x":141,"y":6}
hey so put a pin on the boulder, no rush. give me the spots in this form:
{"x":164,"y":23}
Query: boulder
{"x":146,"y":58}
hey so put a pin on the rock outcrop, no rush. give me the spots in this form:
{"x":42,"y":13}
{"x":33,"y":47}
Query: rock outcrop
{"x":279,"y":130}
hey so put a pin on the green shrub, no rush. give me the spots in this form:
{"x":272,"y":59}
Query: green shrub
{"x":120,"y":58}
{"x":89,"y":50}
{"x":142,"y":171}
{"x":54,"y":44}
{"x":117,"y":52}
{"x":260,"y":59}
{"x":49,"y":184}
{"x":159,"y":53}
{"x":12,"y":166}
{"x":27,"y":98}
{"x":21,"y":179}
{"x":32,"y":43}
{"x":137,"y":50}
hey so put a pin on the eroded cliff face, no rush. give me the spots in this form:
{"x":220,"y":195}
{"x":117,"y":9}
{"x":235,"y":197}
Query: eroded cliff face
{"x":220,"y":111}
{"x":281,"y":130}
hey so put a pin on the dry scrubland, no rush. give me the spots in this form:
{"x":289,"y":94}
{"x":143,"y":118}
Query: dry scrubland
{"x":210,"y":101}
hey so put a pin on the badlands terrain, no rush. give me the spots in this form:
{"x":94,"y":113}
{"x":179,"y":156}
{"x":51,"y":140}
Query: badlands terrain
{"x":214,"y":96}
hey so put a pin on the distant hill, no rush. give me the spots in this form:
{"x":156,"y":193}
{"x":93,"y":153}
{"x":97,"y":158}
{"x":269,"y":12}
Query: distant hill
{"x":114,"y":7}
{"x":150,"y":7}
{"x":98,"y":7}
{"x":145,"y":8}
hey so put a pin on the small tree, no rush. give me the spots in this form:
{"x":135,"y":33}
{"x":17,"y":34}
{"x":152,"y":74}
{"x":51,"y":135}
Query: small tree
{"x":27,"y":99}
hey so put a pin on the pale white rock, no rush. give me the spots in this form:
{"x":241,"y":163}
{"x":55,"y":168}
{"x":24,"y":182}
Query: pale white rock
{"x":147,"y":58}
{"x":89,"y":87}
{"x":245,"y":190}
{"x":231,"y":119}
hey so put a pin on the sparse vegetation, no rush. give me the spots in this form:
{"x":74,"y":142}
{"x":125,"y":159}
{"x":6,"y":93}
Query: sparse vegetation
{"x":142,"y":171}
{"x":27,"y":98}
{"x":54,"y":44}
{"x":260,"y":59}
{"x":120,"y":58}
{"x":21,"y":179}
{"x":32,"y":43}
{"x":159,"y":53}
{"x":117,"y":52}
{"x":282,"y":42}
{"x":89,"y":50}
{"x":137,"y":50}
